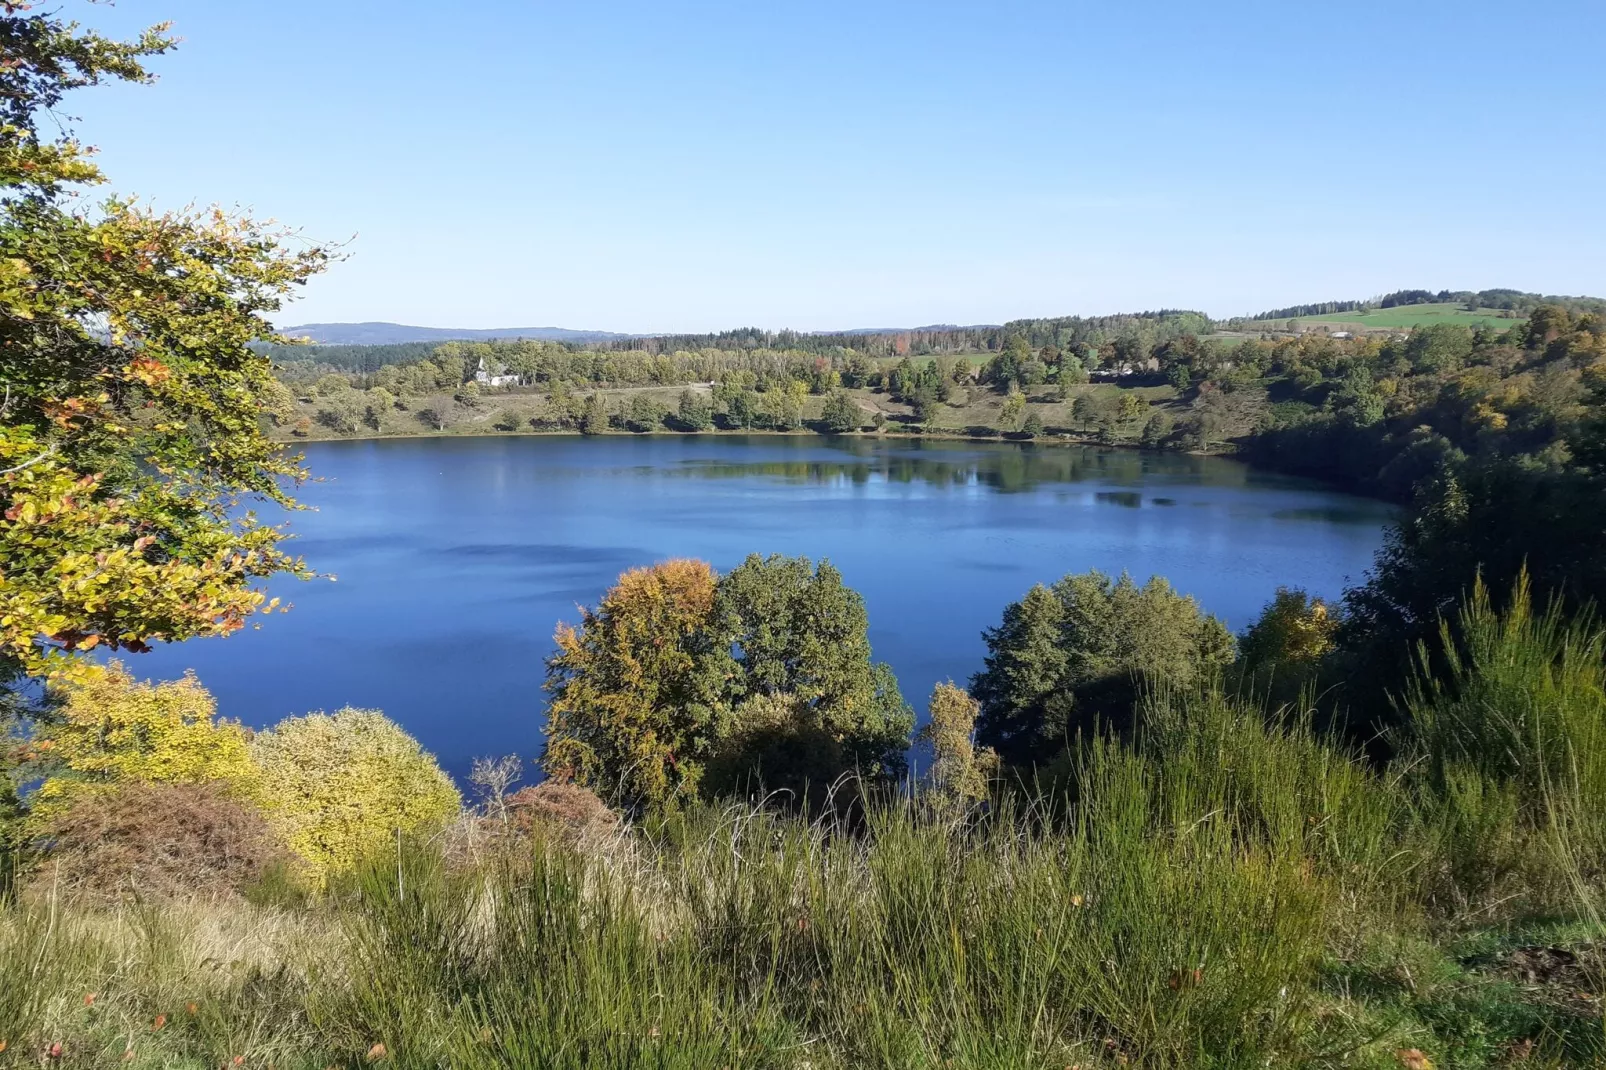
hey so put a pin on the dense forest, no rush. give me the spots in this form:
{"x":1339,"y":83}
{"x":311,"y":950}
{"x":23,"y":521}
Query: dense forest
{"x":1367,"y":833}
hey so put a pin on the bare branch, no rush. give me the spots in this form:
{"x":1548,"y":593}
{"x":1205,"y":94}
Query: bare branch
{"x":30,"y":462}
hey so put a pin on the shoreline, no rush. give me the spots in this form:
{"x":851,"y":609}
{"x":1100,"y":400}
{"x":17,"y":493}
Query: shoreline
{"x":1054,"y":441}
{"x":940,"y":436}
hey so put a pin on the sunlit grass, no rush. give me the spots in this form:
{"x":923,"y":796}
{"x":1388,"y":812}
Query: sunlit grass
{"x":1226,"y":889}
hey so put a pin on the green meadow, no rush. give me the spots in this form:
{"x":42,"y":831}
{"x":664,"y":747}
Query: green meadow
{"x":1404,"y":317}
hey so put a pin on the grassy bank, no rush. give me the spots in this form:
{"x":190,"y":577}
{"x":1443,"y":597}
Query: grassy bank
{"x":1229,"y":890}
{"x":1406,"y":317}
{"x":972,"y":413}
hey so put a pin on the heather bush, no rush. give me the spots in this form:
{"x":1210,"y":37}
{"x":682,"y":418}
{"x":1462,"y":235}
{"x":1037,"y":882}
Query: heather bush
{"x":156,"y":841}
{"x":566,"y":812}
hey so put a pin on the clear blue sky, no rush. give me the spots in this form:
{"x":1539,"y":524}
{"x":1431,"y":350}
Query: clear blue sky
{"x":644,"y":166}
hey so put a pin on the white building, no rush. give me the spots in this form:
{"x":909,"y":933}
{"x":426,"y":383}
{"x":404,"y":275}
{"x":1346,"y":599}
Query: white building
{"x":483,"y":377}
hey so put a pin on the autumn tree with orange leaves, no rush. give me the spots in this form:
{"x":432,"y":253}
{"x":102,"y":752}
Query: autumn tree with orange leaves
{"x":629,"y":716}
{"x":762,"y":676}
{"x":132,"y":403}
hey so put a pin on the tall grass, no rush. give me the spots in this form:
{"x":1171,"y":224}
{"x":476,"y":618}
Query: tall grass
{"x":1226,"y":889}
{"x":765,"y":941}
{"x":1508,"y":741}
{"x":1521,"y":700}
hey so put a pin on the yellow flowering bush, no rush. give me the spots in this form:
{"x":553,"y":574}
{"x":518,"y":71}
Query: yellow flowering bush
{"x":112,"y":729}
{"x":337,"y":787}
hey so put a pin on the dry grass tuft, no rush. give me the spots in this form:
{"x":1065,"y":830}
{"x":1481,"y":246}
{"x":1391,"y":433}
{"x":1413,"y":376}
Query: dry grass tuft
{"x":157,"y":841}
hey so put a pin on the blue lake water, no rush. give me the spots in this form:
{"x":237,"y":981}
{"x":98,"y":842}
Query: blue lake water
{"x":455,"y":558}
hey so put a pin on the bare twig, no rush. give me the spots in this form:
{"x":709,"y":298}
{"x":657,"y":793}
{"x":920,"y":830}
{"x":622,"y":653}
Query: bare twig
{"x":29,"y":463}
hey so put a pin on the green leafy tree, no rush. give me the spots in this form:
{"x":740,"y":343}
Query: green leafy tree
{"x":1074,"y":657}
{"x":1295,"y":629}
{"x":379,"y":401}
{"x":856,"y":372}
{"x":452,"y":370}
{"x":438,"y":412}
{"x":1130,"y":409}
{"x":130,"y":391}
{"x":1086,"y":411}
{"x":1010,"y":415}
{"x":840,"y":414}
{"x":1439,"y":347}
{"x":343,"y":412}
{"x":1032,"y":426}
{"x":1023,"y":702}
{"x":903,"y":379}
{"x":785,"y":626}
{"x":1546,"y":324}
{"x":1156,"y":431}
{"x":743,"y":408}
{"x":594,"y":417}
{"x":341,"y":787}
{"x":645,"y":414}
{"x":785,"y":405}
{"x":330,"y":385}
{"x":694,"y":412}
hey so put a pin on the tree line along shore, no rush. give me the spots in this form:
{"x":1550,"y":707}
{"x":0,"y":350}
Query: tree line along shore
{"x":1376,"y":413}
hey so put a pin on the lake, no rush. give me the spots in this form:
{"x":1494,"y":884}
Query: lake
{"x":454,"y":558}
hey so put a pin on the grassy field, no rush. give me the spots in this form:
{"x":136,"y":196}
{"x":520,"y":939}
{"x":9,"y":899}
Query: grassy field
{"x":1408,"y":316}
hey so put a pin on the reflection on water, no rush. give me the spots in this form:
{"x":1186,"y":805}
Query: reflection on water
{"x":1004,"y":467}
{"x":457,"y":557}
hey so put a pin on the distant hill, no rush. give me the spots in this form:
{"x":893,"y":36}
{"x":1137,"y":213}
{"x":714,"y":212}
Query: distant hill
{"x":930,"y":327}
{"x":1410,"y":308}
{"x":386,"y":334}
{"x":390,"y":334}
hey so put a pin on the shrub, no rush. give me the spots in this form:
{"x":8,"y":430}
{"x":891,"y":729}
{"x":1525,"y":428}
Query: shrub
{"x":1507,"y":723}
{"x":959,"y":772}
{"x":157,"y":841}
{"x":566,"y":812}
{"x":840,"y":414}
{"x":339,"y":787}
{"x":112,"y":730}
{"x":1521,"y":699}
{"x":1294,"y":629}
{"x":777,"y":744}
